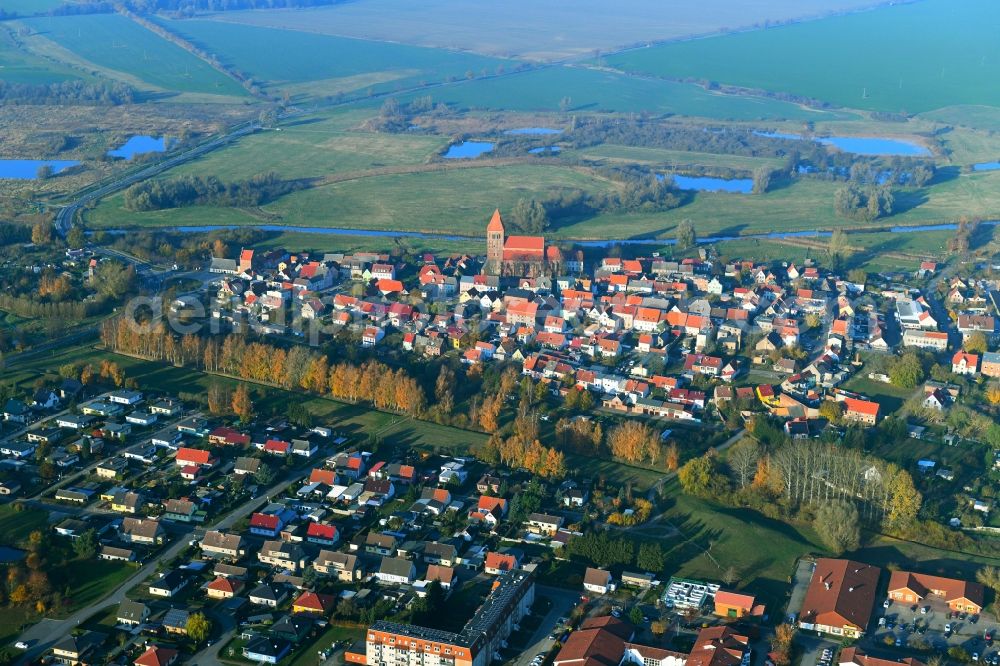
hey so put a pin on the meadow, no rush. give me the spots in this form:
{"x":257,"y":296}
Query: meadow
{"x":19,"y":66}
{"x":905,"y":58}
{"x":458,"y":200}
{"x":115,"y":44}
{"x":672,"y":158}
{"x":315,"y":147}
{"x":326,"y":65}
{"x":593,"y":90}
{"x":543,"y":31}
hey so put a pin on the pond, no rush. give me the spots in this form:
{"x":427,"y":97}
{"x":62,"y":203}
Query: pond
{"x":861,"y":145}
{"x":986,"y":166}
{"x":545,"y":149}
{"x":28,"y":169}
{"x":706,"y":184}
{"x":10,"y":555}
{"x":468,"y":149}
{"x":534,"y":131}
{"x":139,"y":145}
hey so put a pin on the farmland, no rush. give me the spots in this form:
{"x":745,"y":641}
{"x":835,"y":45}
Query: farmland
{"x":123,"y":49}
{"x":591,"y":90}
{"x":326,"y":65}
{"x":863,"y":60}
{"x":555,"y":30}
{"x":19,"y":66}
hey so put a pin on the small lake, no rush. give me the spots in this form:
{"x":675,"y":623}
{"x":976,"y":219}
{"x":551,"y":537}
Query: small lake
{"x":545,"y":149}
{"x":468,"y":149}
{"x":986,"y":166}
{"x":28,"y":169}
{"x":140,"y":145}
{"x":861,"y":145}
{"x":534,"y":131}
{"x":10,"y":555}
{"x":706,"y":184}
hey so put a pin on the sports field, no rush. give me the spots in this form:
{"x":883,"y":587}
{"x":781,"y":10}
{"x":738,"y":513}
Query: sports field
{"x":538,"y":30}
{"x":591,"y":90}
{"x":292,"y":59}
{"x":116,"y":44}
{"x":904,"y":58}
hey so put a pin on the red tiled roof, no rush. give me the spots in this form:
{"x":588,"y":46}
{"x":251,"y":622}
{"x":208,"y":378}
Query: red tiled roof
{"x":327,"y":476}
{"x":322,"y":531}
{"x":265,"y":521}
{"x":156,"y":656}
{"x":194,"y":455}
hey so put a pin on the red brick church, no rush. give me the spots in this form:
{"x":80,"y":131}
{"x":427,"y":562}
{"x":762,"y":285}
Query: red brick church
{"x":521,"y":256}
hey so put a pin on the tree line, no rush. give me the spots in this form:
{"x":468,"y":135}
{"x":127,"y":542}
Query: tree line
{"x":207,"y":191}
{"x":297,"y":368}
{"x":66,"y":93}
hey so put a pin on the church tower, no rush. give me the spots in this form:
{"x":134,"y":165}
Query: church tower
{"x":494,"y":245}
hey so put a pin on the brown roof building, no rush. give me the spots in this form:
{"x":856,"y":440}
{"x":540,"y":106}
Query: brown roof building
{"x":719,"y":646}
{"x":912,"y":588}
{"x":840,"y":597}
{"x":600,"y":641}
{"x":853,"y":656}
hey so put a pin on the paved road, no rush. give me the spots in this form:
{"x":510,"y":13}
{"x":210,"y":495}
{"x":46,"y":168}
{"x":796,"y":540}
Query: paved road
{"x":48,"y":632}
{"x":562,"y":602}
{"x":64,"y":218}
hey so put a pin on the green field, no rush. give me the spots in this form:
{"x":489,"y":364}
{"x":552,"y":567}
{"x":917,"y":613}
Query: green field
{"x":29,"y":7}
{"x":979,"y":117}
{"x":716,"y":537}
{"x":674,"y":158}
{"x":113,"y":42}
{"x":288,"y":58}
{"x":15,"y":526}
{"x":535,"y":29}
{"x":904,"y":58}
{"x":19,"y":66}
{"x":315,"y":147}
{"x":458,"y":201}
{"x":592,"y":90}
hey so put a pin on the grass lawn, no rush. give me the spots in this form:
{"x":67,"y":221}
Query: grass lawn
{"x":888,"y":396}
{"x":883,"y":551}
{"x":599,"y":90}
{"x":283,"y":58}
{"x":116,"y":43}
{"x":15,"y":526}
{"x":306,"y":655}
{"x":91,"y":580}
{"x":959,"y":56}
{"x":718,"y":537}
{"x":11,"y":620}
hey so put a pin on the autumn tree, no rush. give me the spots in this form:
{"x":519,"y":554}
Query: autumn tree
{"x":839,"y":526}
{"x":697,"y":476}
{"x":198,"y":627}
{"x":976,"y":343}
{"x":242,"y":404}
{"x":489,"y":411}
{"x":904,"y":500}
{"x":220,"y":399}
{"x":41,"y":233}
{"x":632,"y":441}
{"x":672,"y":457}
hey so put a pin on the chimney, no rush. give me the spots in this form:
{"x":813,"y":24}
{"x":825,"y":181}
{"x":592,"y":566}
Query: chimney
{"x":827,"y":585}
{"x":850,"y":589}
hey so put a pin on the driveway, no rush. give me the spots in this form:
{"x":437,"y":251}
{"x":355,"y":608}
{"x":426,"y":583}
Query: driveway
{"x":800,"y":583}
{"x":562,"y":602}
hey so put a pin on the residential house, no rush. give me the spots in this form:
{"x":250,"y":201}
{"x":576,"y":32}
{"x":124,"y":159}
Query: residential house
{"x":396,"y":570}
{"x":840,"y":598}
{"x":598,"y":581}
{"x":168,"y":584}
{"x":913,"y":588}
{"x":131,"y":613}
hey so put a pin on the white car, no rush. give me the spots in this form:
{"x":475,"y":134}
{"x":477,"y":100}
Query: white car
{"x":21,"y":645}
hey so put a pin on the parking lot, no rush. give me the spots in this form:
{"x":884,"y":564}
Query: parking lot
{"x":932,"y":624}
